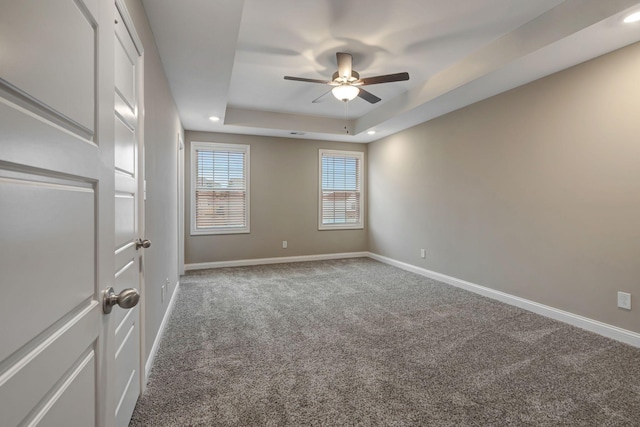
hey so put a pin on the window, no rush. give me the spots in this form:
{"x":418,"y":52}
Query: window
{"x":341,"y":204}
{"x":219,"y":188}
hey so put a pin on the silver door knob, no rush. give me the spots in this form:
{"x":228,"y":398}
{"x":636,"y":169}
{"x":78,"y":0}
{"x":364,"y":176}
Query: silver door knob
{"x":144,"y":244}
{"x":127,"y":298}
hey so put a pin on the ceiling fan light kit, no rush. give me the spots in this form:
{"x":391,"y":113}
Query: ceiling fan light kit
{"x":348,"y":83}
{"x":345,"y":92}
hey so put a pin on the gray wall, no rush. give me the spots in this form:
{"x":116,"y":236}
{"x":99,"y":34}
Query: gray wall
{"x":534,"y":192}
{"x":284,"y":203}
{"x":161,"y":128}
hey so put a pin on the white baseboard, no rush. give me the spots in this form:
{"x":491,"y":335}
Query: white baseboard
{"x":156,"y":341}
{"x":277,"y":260}
{"x":609,"y":331}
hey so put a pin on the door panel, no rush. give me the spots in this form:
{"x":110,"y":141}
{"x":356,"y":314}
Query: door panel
{"x":62,"y":361}
{"x":124,"y":111}
{"x":53,"y":200}
{"x":30,"y":140}
{"x":125,"y":219}
{"x":51,"y":227}
{"x":47,"y":363}
{"x":49,"y":176}
{"x":127,"y":386}
{"x":126,"y":57}
{"x":56,"y":38}
{"x":125,"y":255}
{"x":128,"y":400}
{"x":127,"y":277}
{"x":73,"y":404}
{"x":128,"y":267}
{"x":125,"y":148}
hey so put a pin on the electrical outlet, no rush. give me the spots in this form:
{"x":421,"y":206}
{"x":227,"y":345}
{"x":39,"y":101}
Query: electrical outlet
{"x":423,"y":253}
{"x":624,"y":300}
{"x":284,"y":244}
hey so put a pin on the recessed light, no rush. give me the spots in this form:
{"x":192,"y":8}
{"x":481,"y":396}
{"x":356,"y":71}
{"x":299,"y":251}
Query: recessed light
{"x":371,"y":132}
{"x":214,"y":118}
{"x":634,"y":17}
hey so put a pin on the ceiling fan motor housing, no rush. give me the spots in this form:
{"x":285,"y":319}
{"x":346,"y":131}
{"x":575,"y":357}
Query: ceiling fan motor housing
{"x":339,"y":79}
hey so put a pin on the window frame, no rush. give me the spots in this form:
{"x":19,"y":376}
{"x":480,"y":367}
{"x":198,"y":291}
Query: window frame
{"x":217,"y":146}
{"x":345,"y":154}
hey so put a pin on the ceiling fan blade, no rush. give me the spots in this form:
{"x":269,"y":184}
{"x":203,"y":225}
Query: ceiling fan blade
{"x":368,"y":96}
{"x":345,"y":64}
{"x":320,"y":98}
{"x":398,"y":77}
{"x":302,"y":79}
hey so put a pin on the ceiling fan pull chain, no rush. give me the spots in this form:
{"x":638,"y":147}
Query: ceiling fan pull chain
{"x":346,"y":115}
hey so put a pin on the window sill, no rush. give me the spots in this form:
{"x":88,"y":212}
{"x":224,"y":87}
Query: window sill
{"x":341,"y":227}
{"x":218,"y":232}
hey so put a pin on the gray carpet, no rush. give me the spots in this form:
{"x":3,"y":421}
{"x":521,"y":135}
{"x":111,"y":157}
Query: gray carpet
{"x":359,"y":343}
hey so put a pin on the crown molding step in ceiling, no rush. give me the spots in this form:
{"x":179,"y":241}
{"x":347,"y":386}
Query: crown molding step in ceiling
{"x":228,"y":59}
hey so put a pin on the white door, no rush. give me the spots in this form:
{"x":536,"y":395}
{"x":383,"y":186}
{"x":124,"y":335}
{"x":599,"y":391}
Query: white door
{"x":128,"y":217}
{"x":61,"y":357}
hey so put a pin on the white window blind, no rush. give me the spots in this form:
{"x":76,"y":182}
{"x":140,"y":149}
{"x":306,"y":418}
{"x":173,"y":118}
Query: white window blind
{"x":220,"y":188}
{"x":341,"y":204}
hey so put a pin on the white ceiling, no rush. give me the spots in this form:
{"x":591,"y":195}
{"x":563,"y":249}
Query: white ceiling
{"x":227,"y":58}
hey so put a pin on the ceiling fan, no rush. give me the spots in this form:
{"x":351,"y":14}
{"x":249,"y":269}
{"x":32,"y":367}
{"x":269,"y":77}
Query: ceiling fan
{"x":347,"y":82}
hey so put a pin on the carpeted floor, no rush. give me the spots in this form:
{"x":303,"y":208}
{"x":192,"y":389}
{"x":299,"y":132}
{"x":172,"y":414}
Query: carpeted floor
{"x":360,"y":343}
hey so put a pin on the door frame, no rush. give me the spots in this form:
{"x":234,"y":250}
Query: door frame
{"x":181,"y":224}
